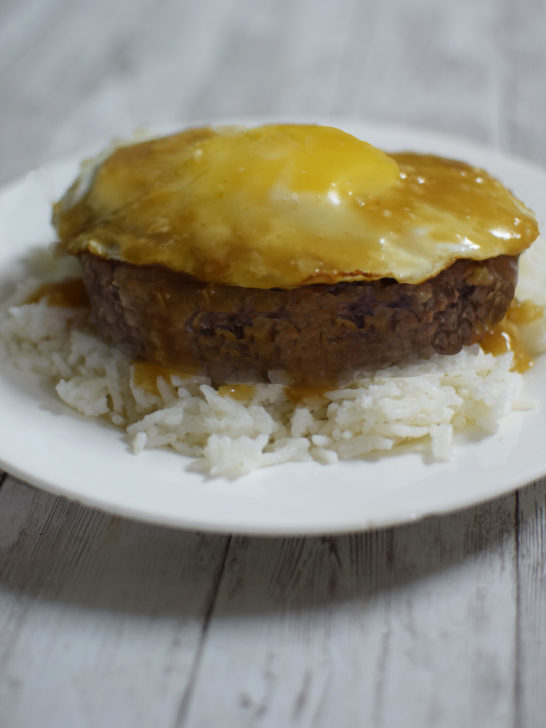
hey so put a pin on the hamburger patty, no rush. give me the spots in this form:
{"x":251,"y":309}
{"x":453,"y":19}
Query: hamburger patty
{"x":318,"y":334}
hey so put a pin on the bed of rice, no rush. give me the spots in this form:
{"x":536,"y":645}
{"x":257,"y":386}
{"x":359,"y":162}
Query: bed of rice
{"x":426,"y":404}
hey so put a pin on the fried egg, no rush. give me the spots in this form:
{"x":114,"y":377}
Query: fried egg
{"x":286,"y":205}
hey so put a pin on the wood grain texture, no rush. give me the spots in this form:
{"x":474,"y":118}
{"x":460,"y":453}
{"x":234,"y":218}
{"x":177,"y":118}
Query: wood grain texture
{"x":531,"y":606}
{"x":523,"y":63}
{"x":394,"y":627}
{"x":101,"y":619}
{"x":113,"y":623}
{"x":450,"y":68}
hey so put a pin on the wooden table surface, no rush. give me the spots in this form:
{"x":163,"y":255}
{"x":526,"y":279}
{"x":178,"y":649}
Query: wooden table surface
{"x":108,"y":622}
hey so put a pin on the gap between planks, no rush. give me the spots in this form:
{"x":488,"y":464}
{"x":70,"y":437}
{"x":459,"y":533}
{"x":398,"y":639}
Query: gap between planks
{"x":517,"y":631}
{"x":530,"y":628}
{"x":211,"y":602}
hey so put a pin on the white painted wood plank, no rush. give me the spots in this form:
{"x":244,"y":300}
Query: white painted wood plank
{"x":22,"y":25}
{"x":397,"y":627}
{"x":419,"y":64}
{"x":86,"y":77}
{"x":524,"y":61}
{"x":531,"y":645}
{"x":427,"y":65}
{"x":101,"y":619}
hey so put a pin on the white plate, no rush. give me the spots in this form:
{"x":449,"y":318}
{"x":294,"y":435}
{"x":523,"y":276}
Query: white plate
{"x":43,"y":443}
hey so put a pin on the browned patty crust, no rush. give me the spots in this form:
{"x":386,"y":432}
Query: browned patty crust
{"x":319,"y":334}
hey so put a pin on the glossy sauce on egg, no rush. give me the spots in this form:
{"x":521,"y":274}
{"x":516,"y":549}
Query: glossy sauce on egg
{"x":289,"y":205}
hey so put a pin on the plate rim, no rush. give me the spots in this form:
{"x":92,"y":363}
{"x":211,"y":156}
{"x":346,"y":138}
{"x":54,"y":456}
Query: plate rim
{"x":177,"y":520}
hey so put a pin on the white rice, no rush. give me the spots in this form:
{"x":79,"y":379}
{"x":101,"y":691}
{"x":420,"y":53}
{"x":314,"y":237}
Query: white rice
{"x":425,"y":404}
